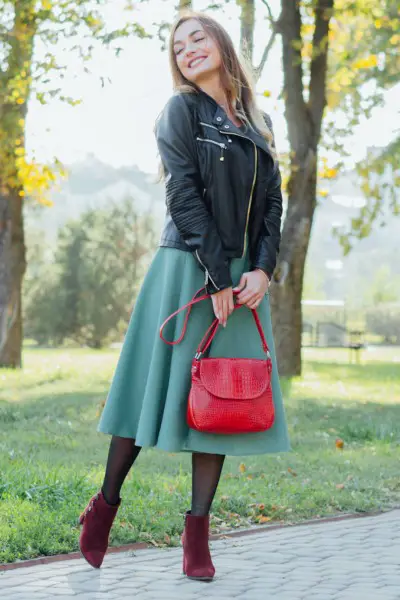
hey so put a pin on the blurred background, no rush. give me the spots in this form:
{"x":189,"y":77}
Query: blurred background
{"x":81,"y":85}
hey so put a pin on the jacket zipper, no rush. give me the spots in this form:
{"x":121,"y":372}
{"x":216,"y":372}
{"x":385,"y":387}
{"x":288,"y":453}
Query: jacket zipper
{"x":219,"y":144}
{"x":208,"y":276}
{"x":252,"y":185}
{"x":210,"y":126}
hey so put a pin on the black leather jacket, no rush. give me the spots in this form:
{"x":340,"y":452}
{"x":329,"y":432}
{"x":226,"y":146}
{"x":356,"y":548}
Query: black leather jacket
{"x":223,"y":188}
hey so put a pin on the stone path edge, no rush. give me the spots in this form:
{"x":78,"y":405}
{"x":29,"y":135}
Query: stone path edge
{"x":44,"y":560}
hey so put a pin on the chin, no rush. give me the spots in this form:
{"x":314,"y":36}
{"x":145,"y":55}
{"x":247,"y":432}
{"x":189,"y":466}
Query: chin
{"x":201,"y":75}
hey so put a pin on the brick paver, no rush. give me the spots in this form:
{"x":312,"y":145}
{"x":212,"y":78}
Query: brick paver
{"x":342,"y":560}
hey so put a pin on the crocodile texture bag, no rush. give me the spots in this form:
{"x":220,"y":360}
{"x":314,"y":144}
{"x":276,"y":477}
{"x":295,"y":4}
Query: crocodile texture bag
{"x":227,"y":395}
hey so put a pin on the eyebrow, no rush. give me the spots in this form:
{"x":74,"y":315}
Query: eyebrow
{"x":190,"y":35}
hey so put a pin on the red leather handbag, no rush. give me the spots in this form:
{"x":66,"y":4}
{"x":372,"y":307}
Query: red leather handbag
{"x":227,"y":395}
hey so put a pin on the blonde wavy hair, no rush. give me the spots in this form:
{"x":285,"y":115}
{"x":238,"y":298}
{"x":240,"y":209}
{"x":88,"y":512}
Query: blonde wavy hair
{"x":236,"y":77}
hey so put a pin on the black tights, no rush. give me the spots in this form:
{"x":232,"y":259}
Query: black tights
{"x":206,"y":472}
{"x":121,"y":456}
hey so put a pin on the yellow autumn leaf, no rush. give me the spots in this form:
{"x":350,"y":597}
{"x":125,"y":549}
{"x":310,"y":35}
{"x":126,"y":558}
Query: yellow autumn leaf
{"x":323,"y":193}
{"x":366,"y":63}
{"x":331,"y":173}
{"x":332,"y":98}
{"x":242,"y":468}
{"x":266,"y":93}
{"x":46,"y":202}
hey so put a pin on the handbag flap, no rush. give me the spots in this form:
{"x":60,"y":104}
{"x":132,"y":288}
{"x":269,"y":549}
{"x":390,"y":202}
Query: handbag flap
{"x":235,"y":378}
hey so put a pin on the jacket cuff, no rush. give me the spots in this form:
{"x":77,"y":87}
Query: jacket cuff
{"x":267,"y":268}
{"x":222,"y":283}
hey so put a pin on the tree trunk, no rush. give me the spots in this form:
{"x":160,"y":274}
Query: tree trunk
{"x":287,"y":289}
{"x":18,"y":63}
{"x":185,"y":5}
{"x":247,"y":22}
{"x":5,"y":263}
{"x":12,"y":269}
{"x":304,"y":120}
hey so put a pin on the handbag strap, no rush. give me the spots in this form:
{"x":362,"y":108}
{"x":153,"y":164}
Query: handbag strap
{"x":211,"y":331}
{"x":196,"y":298}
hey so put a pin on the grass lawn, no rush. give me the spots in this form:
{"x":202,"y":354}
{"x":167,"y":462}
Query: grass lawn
{"x":52,"y":458}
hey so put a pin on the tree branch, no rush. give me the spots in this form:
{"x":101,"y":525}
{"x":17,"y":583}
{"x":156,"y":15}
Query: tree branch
{"x":265,"y":55}
{"x":271,"y":18}
{"x":318,"y":70}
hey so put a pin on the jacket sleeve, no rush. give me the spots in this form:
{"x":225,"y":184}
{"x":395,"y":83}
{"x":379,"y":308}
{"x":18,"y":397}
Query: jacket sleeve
{"x":268,"y":246}
{"x":184,"y":193}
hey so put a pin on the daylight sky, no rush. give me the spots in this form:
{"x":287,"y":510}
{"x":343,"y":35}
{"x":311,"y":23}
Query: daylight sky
{"x":115,"y":122}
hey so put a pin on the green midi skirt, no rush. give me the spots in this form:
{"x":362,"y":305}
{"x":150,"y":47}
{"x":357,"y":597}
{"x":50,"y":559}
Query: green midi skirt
{"x":148,"y":396}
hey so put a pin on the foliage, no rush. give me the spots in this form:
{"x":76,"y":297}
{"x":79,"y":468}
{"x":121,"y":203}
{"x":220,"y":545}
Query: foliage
{"x":384,"y":320}
{"x":379,"y":176}
{"x":364,"y":61}
{"x":31,"y":34}
{"x":383,"y":288}
{"x":52,"y":459}
{"x":85,"y":293}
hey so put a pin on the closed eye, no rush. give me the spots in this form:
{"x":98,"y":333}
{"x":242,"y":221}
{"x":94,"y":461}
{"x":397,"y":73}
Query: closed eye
{"x":198,"y":40}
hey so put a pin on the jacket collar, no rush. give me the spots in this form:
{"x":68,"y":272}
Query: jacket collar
{"x":225,"y":125}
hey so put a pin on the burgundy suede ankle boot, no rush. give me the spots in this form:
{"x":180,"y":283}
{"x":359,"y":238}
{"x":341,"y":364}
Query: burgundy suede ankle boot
{"x":197,"y":563}
{"x":97,"y":519}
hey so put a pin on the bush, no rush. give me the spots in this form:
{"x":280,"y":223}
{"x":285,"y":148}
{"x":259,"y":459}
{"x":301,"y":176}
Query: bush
{"x":384,"y":320}
{"x":86,"y":291}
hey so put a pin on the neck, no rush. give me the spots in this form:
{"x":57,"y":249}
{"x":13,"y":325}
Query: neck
{"x":213,"y":88}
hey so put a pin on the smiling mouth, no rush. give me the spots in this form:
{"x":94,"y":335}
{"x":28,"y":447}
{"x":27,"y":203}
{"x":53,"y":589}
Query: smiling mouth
{"x":196,"y":61}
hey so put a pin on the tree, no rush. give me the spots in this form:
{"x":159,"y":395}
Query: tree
{"x":304,"y":120}
{"x":330,"y":49}
{"x":85,"y":292}
{"x":23,"y":25}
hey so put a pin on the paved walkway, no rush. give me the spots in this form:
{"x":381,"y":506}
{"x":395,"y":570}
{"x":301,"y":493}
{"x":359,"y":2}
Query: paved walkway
{"x":356,"y":559}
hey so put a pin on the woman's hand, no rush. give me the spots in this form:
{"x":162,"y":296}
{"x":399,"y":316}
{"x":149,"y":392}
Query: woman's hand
{"x":223,"y":305}
{"x":252,"y":287}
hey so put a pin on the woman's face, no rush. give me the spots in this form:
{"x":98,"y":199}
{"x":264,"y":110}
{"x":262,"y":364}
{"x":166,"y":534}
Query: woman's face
{"x":196,"y":53}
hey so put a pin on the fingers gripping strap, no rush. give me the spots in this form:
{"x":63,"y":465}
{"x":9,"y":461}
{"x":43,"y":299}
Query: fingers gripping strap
{"x":212,"y":330}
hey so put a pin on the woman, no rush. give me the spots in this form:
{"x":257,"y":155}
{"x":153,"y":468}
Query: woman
{"x":222,"y":230}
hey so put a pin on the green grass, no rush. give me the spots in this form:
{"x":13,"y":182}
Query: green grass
{"x":52,"y":458}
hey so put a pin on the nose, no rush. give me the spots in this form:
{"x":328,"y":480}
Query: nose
{"x":190,"y":48}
